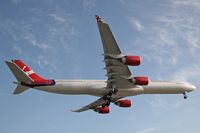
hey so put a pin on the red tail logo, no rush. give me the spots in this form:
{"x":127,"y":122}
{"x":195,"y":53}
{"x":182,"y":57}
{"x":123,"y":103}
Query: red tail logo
{"x":37,"y":80}
{"x":34,"y":76}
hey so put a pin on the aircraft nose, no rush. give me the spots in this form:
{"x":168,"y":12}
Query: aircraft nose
{"x":191,"y":87}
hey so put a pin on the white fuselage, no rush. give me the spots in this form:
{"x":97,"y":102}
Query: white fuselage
{"x":98,"y":88}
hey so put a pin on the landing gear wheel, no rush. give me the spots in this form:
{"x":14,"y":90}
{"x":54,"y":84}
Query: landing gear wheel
{"x":185,"y":96}
{"x":108,"y":104}
{"x":106,"y":97}
{"x":115,"y":91}
{"x":110,"y":93}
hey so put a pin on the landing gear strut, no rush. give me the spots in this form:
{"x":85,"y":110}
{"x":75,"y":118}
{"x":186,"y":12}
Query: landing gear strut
{"x":115,"y":91}
{"x":184,"y":95}
{"x":108,"y":97}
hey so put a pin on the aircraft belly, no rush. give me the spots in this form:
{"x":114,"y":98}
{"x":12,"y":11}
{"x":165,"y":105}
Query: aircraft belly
{"x":137,"y":90}
{"x":163,"y":88}
{"x":75,"y":88}
{"x":95,"y":89}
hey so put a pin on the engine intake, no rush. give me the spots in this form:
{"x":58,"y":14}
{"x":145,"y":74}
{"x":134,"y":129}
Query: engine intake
{"x":102,"y":110}
{"x":131,"y":60}
{"x":123,"y":103}
{"x":140,"y":80}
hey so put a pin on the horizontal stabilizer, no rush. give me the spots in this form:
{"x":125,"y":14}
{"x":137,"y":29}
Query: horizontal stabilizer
{"x":20,"y":89}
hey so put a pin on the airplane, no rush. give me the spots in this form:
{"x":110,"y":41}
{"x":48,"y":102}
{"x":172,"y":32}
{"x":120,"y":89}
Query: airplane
{"x":120,"y":82}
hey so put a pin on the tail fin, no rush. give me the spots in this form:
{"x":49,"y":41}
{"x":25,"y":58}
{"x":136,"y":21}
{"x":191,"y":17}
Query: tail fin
{"x":18,"y":72}
{"x":23,"y":74}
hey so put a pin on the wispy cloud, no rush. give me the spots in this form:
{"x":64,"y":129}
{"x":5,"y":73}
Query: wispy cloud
{"x":16,"y":1}
{"x":157,"y":104}
{"x":43,"y":61}
{"x":136,"y":24}
{"x":34,"y":42}
{"x":188,"y":73}
{"x":89,"y":3}
{"x":17,"y":49}
{"x":148,"y":130}
{"x":192,"y":3}
{"x":178,"y":104}
{"x":43,"y":36}
{"x":184,"y":29}
{"x":58,"y":17}
{"x":171,"y":37}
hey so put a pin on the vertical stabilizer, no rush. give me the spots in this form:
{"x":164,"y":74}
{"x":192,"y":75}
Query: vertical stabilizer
{"x":26,"y":77}
{"x":19,"y":74}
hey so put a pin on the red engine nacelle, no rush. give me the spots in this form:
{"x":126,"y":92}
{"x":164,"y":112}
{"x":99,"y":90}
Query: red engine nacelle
{"x":141,"y":80}
{"x":131,"y":60}
{"x":102,"y":110}
{"x":123,"y":103}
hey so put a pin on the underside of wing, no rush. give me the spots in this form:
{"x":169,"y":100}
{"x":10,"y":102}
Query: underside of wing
{"x":92,"y":105}
{"x":117,"y":72}
{"x":100,"y":106}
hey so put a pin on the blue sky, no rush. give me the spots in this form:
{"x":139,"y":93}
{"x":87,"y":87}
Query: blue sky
{"x":60,"y":39}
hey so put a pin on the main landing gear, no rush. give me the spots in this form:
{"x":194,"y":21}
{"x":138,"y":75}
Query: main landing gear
{"x":115,"y":91}
{"x":184,"y":95}
{"x":108,"y":97}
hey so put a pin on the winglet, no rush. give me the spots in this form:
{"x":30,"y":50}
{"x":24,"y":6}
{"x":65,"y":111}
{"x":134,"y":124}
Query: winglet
{"x":98,"y":18}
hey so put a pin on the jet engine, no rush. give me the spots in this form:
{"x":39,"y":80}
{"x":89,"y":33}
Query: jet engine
{"x":131,"y":60}
{"x":140,"y":80}
{"x":102,"y":110}
{"x":123,"y":103}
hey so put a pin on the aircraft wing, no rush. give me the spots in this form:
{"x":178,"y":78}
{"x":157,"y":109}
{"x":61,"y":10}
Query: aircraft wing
{"x":95,"y":104}
{"x":117,"y":72}
{"x":92,"y":105}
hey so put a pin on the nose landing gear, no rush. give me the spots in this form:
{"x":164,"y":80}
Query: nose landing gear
{"x":184,"y":95}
